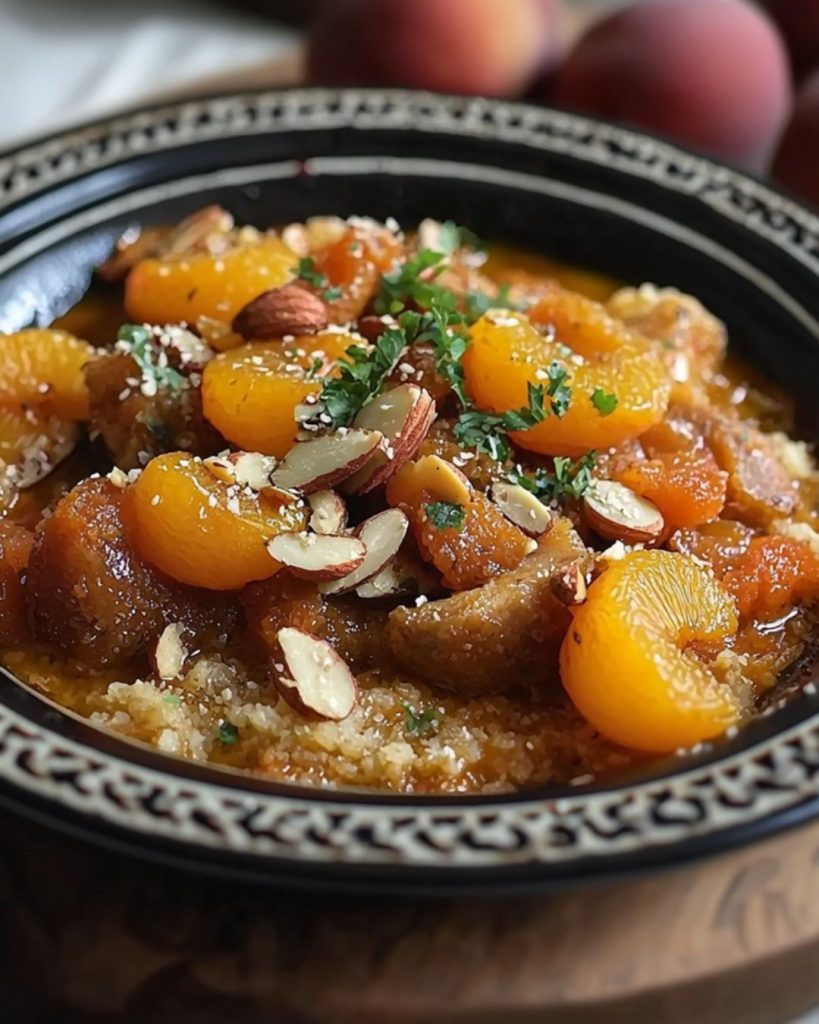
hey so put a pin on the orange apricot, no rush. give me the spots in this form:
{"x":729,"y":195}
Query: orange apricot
{"x":353,"y":265}
{"x":689,"y":488}
{"x":628,"y":662}
{"x":45,"y":368}
{"x":15,"y":549}
{"x":507,"y":353}
{"x":198,"y":529}
{"x":180,"y":289}
{"x":773,"y":573}
{"x":250,"y":393}
{"x":720,"y":543}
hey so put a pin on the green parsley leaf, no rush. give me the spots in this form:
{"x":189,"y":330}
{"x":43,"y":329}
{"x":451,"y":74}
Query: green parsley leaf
{"x":559,"y":392}
{"x":228,"y":733}
{"x":361,"y":374}
{"x":314,"y":368}
{"x":452,"y":237}
{"x":603,"y":403}
{"x":443,"y":328}
{"x":569,"y":480}
{"x":487,"y":432}
{"x":405,"y":285}
{"x":446,"y":515}
{"x":306,"y":271}
{"x":476,"y":304}
{"x":151,"y":360}
{"x":420,"y":723}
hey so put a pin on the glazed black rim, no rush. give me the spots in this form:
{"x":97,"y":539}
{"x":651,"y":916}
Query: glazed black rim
{"x":62,"y":769}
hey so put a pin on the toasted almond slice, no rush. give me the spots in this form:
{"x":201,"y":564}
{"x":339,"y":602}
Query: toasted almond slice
{"x":329,"y":512}
{"x":569,"y":585}
{"x":389,"y":581}
{"x":248,"y":469}
{"x":320,"y":684}
{"x":324,"y":461}
{"x":313,"y":557}
{"x":617,"y":513}
{"x":170,"y":654}
{"x":383,"y":535}
{"x":522,"y":508}
{"x":403,"y":415}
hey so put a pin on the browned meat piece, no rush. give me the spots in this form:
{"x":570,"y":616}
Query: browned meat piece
{"x":134,"y":426}
{"x":759,"y":488}
{"x":354,"y":627}
{"x":91,"y":596}
{"x":504,"y":634}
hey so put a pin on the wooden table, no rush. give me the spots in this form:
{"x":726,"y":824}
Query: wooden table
{"x":87,"y":935}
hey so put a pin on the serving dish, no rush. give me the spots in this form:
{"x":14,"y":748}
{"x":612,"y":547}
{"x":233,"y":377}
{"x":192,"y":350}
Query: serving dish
{"x":599,"y":196}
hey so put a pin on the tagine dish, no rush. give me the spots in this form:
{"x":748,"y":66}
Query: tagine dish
{"x":339,"y":505}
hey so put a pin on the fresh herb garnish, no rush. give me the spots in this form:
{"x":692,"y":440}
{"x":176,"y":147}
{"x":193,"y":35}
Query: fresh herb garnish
{"x":306,"y":271}
{"x":603,"y":403}
{"x":228,"y":734}
{"x":152,"y":362}
{"x":420,"y":723}
{"x":453,"y":237}
{"x":446,"y":515}
{"x":314,"y":368}
{"x":362,"y":371}
{"x":559,"y":392}
{"x":569,"y":480}
{"x":406,"y":285}
{"x":476,"y":304}
{"x":488,"y":432}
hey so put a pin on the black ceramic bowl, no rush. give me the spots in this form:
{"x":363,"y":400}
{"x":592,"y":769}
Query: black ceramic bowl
{"x":588,"y":192}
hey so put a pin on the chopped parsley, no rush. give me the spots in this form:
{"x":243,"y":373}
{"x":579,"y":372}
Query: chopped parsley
{"x":228,"y":734}
{"x":488,"y":432}
{"x":569,"y":479}
{"x":306,"y":271}
{"x":446,"y":515}
{"x":410,"y":284}
{"x":151,"y":360}
{"x":420,"y":723}
{"x":476,"y":304}
{"x":453,"y":237}
{"x":559,"y":392}
{"x":314,"y":368}
{"x":603,"y":403}
{"x":362,"y":371}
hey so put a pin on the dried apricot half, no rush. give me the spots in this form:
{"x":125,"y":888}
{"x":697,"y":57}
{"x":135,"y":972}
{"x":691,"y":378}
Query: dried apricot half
{"x":178,"y":289}
{"x":507,"y":353}
{"x":45,"y":367}
{"x":201,"y":530}
{"x":250,"y":393}
{"x":630,"y":663}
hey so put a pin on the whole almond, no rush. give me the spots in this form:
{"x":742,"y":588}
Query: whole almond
{"x":290,"y":309}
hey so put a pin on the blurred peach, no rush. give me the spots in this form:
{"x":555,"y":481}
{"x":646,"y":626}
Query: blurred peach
{"x":797,"y":162}
{"x":799,"y":22}
{"x":489,"y":47}
{"x":710,"y":73}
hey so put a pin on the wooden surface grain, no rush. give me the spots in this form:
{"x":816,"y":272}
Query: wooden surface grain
{"x":88,"y":935}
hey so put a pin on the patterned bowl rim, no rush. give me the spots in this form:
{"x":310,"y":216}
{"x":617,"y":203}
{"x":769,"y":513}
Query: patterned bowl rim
{"x":56,"y":767}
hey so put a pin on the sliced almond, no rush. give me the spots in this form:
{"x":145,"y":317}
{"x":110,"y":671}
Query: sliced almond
{"x":329,"y":512}
{"x":170,"y":654}
{"x":290,"y":309}
{"x":404,"y":416}
{"x":321,"y":462}
{"x":383,"y":535}
{"x":389,"y":581}
{"x":247,"y":469}
{"x":311,"y":556}
{"x":568,"y":585}
{"x":617,"y":513}
{"x":319,"y":684}
{"x":522,"y":508}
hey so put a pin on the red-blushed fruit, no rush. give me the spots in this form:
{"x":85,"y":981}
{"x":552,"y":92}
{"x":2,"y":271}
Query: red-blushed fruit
{"x":489,"y":47}
{"x":797,"y":162}
{"x":799,"y":22}
{"x":710,"y":73}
